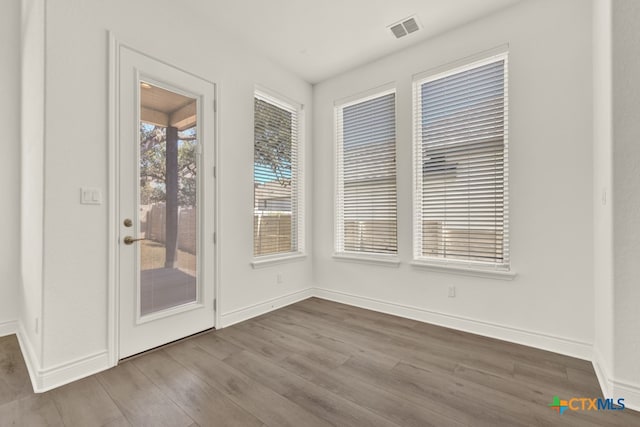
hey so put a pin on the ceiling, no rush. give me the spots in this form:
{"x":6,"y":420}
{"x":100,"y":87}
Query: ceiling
{"x":164,"y":108}
{"x":318,"y":39}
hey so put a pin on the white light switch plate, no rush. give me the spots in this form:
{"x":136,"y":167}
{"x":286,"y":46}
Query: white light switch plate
{"x":90,"y":196}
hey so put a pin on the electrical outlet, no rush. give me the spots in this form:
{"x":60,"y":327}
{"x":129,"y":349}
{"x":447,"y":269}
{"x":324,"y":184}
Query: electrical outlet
{"x":452,"y":291}
{"x":279,"y":278}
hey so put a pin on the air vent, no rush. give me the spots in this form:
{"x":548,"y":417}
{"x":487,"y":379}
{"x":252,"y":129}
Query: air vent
{"x":410,"y":25}
{"x":404,"y":27}
{"x":398,"y":31}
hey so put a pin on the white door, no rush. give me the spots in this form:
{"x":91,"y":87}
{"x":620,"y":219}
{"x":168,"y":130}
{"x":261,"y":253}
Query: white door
{"x":166,"y":203}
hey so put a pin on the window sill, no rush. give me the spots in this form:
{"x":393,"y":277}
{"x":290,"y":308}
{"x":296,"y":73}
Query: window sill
{"x":465,"y":270}
{"x":277,"y":259}
{"x":390,"y":261}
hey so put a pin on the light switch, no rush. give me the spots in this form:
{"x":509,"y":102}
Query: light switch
{"x":90,"y":196}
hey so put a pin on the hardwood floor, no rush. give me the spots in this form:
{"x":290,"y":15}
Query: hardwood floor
{"x":316,"y":363}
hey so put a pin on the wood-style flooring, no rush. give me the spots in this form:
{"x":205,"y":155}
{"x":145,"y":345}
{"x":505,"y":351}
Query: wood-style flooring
{"x":316,"y":363}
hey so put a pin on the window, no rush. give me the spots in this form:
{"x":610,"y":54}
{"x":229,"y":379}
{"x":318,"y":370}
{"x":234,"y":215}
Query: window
{"x":277,"y":178}
{"x":460,"y":152}
{"x":366,"y":176}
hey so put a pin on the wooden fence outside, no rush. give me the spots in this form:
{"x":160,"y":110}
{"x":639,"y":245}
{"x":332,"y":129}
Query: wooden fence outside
{"x":154,"y":228}
{"x":271,"y":233}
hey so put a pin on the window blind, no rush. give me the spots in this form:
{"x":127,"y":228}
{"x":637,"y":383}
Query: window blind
{"x":461,"y":169}
{"x":277,"y":178}
{"x":366,"y":176}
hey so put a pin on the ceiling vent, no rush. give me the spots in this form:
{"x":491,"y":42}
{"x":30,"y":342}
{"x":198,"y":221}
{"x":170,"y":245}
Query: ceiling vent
{"x":404,"y":27}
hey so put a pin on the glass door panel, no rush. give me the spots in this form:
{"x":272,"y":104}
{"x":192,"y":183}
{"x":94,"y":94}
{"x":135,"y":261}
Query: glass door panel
{"x":168,"y":251}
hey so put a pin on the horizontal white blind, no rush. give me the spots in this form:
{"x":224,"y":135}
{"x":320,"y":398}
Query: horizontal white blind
{"x":276,"y":178}
{"x":366,"y":176}
{"x":461,"y":165}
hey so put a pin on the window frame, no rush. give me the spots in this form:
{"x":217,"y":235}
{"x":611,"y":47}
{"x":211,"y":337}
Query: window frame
{"x":297,"y":172}
{"x":465,"y":267}
{"x":338,"y":252}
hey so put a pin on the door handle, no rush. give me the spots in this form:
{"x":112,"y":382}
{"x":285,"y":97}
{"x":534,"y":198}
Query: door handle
{"x":130,"y":240}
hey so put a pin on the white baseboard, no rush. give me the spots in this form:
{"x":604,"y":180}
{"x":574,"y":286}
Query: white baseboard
{"x":29,"y":355}
{"x":49,"y":378}
{"x":46,"y":379}
{"x":569,"y":347}
{"x":600,"y":367}
{"x":611,"y":388}
{"x":614,"y":388}
{"x":246,"y":313}
{"x":74,"y":370}
{"x":8,"y":328}
{"x":630,"y":393}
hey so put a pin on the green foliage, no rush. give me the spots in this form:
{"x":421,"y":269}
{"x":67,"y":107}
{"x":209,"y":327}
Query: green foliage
{"x":153,"y":150}
{"x":273,"y":139}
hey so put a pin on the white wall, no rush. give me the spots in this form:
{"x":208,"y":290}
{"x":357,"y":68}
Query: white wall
{"x":32,"y":180}
{"x":9,"y":164}
{"x":75,"y":253}
{"x":550,"y":302}
{"x":626,"y":174}
{"x":603,"y":317}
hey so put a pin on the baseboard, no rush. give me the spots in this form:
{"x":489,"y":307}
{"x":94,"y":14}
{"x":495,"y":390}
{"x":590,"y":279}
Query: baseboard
{"x":246,"y":313}
{"x":74,"y":370}
{"x":29,"y":355}
{"x":46,"y":379}
{"x":566,"y":346}
{"x":602,"y":374}
{"x":630,"y":393}
{"x":8,"y":328}
{"x":612,"y":388}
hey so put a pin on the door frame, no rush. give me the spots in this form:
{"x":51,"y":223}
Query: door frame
{"x":113,"y":182}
